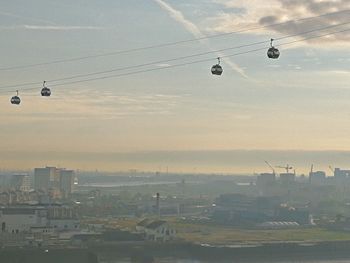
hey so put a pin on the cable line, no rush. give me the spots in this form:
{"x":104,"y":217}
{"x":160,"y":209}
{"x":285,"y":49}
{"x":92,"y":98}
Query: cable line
{"x":198,"y":61}
{"x":166,"y":44}
{"x":171,"y":59}
{"x":183,"y":64}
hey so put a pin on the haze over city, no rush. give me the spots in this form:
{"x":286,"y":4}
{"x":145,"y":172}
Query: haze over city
{"x":174,"y":131}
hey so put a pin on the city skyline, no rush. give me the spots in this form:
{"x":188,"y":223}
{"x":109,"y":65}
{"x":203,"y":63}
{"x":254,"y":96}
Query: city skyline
{"x":234,"y":162}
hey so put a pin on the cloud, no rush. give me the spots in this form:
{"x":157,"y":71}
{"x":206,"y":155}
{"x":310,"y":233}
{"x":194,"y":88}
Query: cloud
{"x":162,"y":65}
{"x":87,"y":105}
{"x":196,"y":32}
{"x":257,"y":13}
{"x":21,"y":17}
{"x":62,"y":28}
{"x":50,"y":28}
{"x":40,"y":24}
{"x":179,"y":17}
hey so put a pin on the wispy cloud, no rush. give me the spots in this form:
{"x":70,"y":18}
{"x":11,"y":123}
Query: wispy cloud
{"x":90,"y":104}
{"x":50,"y":27}
{"x":179,"y":17}
{"x":162,"y":65}
{"x":196,"y":32}
{"x":60,"y":28}
{"x":21,"y":17}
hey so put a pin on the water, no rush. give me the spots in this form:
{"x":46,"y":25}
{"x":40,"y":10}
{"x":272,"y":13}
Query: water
{"x":172,"y":260}
{"x":114,"y":185}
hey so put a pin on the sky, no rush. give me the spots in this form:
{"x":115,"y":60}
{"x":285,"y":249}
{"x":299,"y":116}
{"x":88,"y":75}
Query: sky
{"x":291,"y":110}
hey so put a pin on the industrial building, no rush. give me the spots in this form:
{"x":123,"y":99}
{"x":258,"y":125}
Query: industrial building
{"x":27,"y":218}
{"x":22,"y":218}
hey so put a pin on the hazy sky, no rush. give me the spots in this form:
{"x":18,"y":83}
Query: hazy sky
{"x":299,"y":102}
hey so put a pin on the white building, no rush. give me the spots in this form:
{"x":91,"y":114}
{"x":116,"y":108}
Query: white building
{"x":22,"y":219}
{"x":141,"y":226}
{"x":63,"y":218}
{"x":19,"y":219}
{"x":36,"y":225}
{"x":157,"y":230}
{"x":21,"y":182}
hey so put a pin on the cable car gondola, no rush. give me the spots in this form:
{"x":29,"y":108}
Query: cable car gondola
{"x":217,"y":69}
{"x":15,"y":99}
{"x":45,"y":92}
{"x":273,"y":52}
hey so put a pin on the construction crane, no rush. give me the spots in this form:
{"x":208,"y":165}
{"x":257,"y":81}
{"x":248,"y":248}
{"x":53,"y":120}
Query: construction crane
{"x":311,"y":173}
{"x":331,"y":168}
{"x":312,"y":169}
{"x":285,"y":167}
{"x":273,"y":170}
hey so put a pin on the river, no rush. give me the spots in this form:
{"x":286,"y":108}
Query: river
{"x":172,"y":260}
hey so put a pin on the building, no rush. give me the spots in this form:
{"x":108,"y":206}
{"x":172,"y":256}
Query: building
{"x":290,"y":214}
{"x":20,"y":219}
{"x":66,"y":182}
{"x":21,"y":182}
{"x":287,"y":178}
{"x":156,"y":230}
{"x":141,"y":226}
{"x":242,"y":210}
{"x":266,"y":179}
{"x":46,"y":178}
{"x":341,"y":174}
{"x":342,"y":179}
{"x":317,"y":178}
{"x":58,"y":182}
{"x":27,"y":218}
{"x":265,"y":182}
{"x":37,"y":226}
{"x":63,"y":218}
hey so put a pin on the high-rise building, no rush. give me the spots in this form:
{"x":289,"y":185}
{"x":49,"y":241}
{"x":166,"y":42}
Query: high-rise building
{"x":317,"y":178}
{"x":46,"y":178}
{"x":287,"y":178}
{"x":266,"y":179}
{"x":57,"y":181}
{"x":66,"y":182}
{"x":41,"y":178}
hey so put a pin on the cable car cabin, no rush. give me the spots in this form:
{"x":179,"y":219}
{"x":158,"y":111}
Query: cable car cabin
{"x":45,"y":92}
{"x":216,"y":70}
{"x":273,"y":53}
{"x":15,"y":100}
